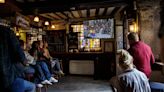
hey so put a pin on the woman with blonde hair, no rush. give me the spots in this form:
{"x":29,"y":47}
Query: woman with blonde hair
{"x":53,"y":63}
{"x":131,"y":79}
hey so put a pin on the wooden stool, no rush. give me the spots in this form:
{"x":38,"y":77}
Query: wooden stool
{"x":38,"y":89}
{"x":43,"y":89}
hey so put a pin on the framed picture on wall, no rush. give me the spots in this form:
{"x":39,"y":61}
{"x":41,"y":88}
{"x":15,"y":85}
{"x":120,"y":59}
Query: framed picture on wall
{"x":108,"y":46}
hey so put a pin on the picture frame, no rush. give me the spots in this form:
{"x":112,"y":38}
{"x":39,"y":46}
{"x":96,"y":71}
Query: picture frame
{"x":108,"y":46}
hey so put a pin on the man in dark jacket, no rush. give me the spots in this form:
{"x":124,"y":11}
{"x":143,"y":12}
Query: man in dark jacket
{"x":12,"y":60}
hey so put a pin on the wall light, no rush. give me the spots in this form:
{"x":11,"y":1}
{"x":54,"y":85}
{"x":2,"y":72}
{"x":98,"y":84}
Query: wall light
{"x":2,"y":1}
{"x":17,"y":34}
{"x":53,"y":26}
{"x":36,"y":19}
{"x":46,"y":23}
{"x":133,"y":27}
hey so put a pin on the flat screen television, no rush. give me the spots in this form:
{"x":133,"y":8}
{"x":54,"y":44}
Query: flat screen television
{"x":100,"y":28}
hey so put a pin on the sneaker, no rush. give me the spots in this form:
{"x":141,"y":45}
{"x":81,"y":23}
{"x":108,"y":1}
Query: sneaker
{"x":61,"y":73}
{"x":39,"y":85}
{"x":53,"y":80}
{"x":46,"y":82}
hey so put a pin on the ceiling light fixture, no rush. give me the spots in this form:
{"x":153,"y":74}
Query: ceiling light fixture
{"x":2,"y":1}
{"x":46,"y":23}
{"x":53,"y":26}
{"x":36,"y":19}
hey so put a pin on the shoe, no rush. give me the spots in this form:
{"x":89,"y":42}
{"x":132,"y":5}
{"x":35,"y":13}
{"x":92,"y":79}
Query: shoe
{"x":39,"y":85}
{"x":46,"y":82}
{"x":53,"y":80}
{"x":61,"y":73}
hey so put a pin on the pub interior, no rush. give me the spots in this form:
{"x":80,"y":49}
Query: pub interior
{"x":84,"y":35}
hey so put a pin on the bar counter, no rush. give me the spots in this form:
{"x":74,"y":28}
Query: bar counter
{"x":104,"y":63}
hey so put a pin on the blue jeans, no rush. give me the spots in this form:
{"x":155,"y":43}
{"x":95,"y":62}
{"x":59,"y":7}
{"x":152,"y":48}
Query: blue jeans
{"x":21,"y":85}
{"x":42,"y":71}
{"x":29,"y":70}
{"x":156,"y":87}
{"x":56,"y":65}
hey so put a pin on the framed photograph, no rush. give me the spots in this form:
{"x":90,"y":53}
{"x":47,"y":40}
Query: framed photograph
{"x":108,"y":46}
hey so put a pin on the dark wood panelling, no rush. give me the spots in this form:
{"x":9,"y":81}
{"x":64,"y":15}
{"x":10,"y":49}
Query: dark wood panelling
{"x":47,"y":6}
{"x":88,"y":13}
{"x":105,"y":10}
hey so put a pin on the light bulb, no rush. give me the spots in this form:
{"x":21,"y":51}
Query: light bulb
{"x":17,"y":34}
{"x":46,"y":23}
{"x":36,"y":19}
{"x":131,"y":28}
{"x":2,"y":1}
{"x":53,"y":26}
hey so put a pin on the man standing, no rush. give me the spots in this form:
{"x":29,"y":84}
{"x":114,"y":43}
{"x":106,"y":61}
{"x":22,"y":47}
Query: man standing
{"x":142,"y":54}
{"x":12,"y":59}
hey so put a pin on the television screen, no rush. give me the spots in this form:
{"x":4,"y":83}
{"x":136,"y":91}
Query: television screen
{"x":101,"y":28}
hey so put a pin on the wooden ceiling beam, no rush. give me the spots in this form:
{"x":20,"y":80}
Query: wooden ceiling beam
{"x":89,"y":18}
{"x":80,"y":14}
{"x":97,"y":12}
{"x":72,"y":14}
{"x":84,"y":13}
{"x":109,"y":10}
{"x":92,"y":12}
{"x":120,"y":9}
{"x":114,"y":11}
{"x":101,"y":11}
{"x":46,"y":16}
{"x":51,"y":6}
{"x":59,"y":14}
{"x":88,"y":13}
{"x":68,"y":13}
{"x":56,"y":17}
{"x":105,"y":11}
{"x":65,"y":15}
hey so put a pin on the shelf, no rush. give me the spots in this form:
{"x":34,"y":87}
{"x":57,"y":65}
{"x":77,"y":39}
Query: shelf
{"x":55,"y":43}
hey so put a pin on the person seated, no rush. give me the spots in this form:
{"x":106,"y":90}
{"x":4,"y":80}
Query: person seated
{"x":42,"y":74}
{"x":12,"y":62}
{"x":30,"y":62}
{"x":131,"y":79}
{"x":53,"y":63}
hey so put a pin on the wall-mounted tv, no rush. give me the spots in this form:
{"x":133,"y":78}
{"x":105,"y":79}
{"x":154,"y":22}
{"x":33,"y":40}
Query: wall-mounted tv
{"x":100,"y":28}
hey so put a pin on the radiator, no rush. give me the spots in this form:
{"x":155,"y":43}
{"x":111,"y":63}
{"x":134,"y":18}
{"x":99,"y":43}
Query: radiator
{"x":82,"y":67}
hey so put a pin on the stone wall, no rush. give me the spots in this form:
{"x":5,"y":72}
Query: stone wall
{"x":150,"y":22}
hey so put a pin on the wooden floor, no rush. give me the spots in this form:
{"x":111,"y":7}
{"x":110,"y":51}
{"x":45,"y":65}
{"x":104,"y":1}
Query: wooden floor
{"x":80,"y":84}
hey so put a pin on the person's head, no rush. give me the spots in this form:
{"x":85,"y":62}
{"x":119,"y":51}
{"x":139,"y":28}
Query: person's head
{"x":133,"y":37}
{"x":22,"y":44}
{"x":125,"y":60}
{"x":45,"y":44}
{"x":40,"y":44}
{"x":35,"y":45}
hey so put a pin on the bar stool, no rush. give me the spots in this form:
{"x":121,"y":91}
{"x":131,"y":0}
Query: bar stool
{"x":43,"y":89}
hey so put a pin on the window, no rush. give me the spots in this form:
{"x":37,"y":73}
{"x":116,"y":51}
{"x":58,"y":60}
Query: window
{"x":85,"y":42}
